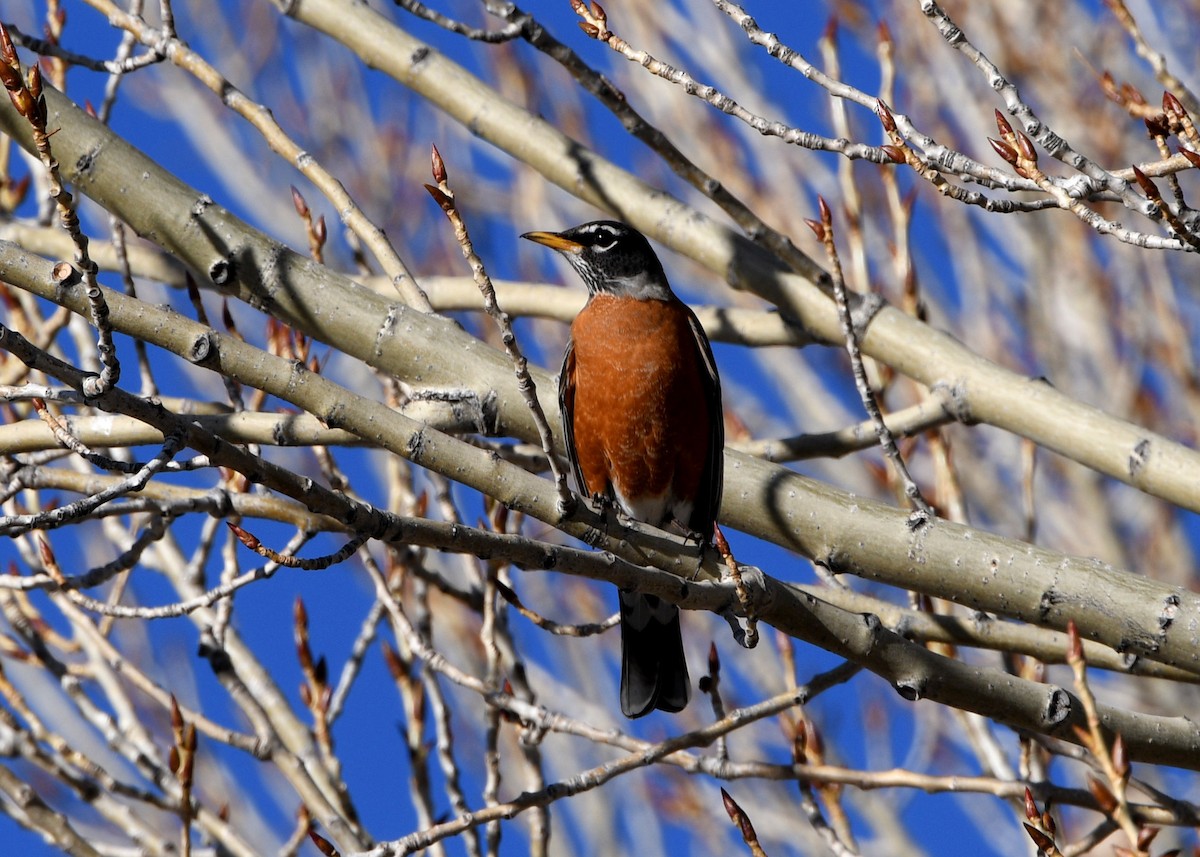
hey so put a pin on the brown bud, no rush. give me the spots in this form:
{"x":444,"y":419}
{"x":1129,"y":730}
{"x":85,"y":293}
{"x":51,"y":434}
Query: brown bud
{"x":1003,"y":125}
{"x":824,"y":207}
{"x":1004,"y":150}
{"x":243,"y":536}
{"x":883,"y":32}
{"x":394,"y":664}
{"x":731,"y":807}
{"x":817,"y":227}
{"x":1041,"y":840}
{"x":298,"y":202}
{"x":45,"y":552}
{"x":895,"y":154}
{"x":1156,"y":125}
{"x":1031,"y":810}
{"x":439,"y":166}
{"x":714,"y":661}
{"x":35,"y":81}
{"x":1025,"y":145}
{"x":319,"y":230}
{"x":1074,"y":644}
{"x":323,"y":844}
{"x":1145,"y":184}
{"x":443,"y":199}
{"x":1192,"y":157}
{"x":1104,"y":798}
{"x":1120,"y":756}
{"x":885,"y":116}
{"x":8,"y":53}
{"x":1171,"y":104}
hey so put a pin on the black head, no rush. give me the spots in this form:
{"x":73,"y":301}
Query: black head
{"x":612,"y":258}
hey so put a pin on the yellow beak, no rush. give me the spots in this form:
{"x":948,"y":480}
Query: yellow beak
{"x":555,"y":241}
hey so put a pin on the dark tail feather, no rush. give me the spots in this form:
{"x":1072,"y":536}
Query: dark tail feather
{"x":653,"y":670}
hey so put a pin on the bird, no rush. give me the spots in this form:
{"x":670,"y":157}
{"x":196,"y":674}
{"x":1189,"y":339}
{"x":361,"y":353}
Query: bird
{"x":643,"y":423}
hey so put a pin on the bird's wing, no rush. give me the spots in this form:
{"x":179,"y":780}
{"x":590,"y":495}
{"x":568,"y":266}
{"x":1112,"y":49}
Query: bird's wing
{"x":708,"y":501}
{"x":566,"y":404}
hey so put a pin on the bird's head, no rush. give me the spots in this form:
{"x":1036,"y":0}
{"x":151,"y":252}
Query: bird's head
{"x":612,"y":258}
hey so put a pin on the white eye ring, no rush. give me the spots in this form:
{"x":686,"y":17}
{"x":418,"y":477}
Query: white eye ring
{"x":606,"y":239}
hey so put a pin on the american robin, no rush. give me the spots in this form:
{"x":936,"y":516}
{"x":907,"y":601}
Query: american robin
{"x":641,"y":410}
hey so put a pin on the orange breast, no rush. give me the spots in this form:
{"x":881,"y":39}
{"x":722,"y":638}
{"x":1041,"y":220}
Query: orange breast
{"x":642,"y":420}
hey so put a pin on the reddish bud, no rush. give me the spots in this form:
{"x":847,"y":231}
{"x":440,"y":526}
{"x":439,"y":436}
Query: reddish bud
{"x":45,"y":552}
{"x":1025,"y":145}
{"x":35,"y":81}
{"x":1074,"y":644}
{"x":1192,"y":157}
{"x":895,"y":154}
{"x":1031,"y":810}
{"x":298,"y":202}
{"x":885,"y":116}
{"x":441,"y":198}
{"x":817,"y":227}
{"x":884,"y":33}
{"x":1120,"y":756}
{"x":8,"y":53}
{"x":319,"y":230}
{"x":1145,"y":184}
{"x":1003,"y":125}
{"x":1172,"y":105}
{"x":394,"y":664}
{"x":1004,"y":150}
{"x":1104,"y":797}
{"x":731,"y":807}
{"x":1041,"y":840}
{"x":323,"y":844}
{"x":439,"y":166}
{"x":243,"y":536}
{"x":1156,"y":125}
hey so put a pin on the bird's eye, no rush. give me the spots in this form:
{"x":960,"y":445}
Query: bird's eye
{"x":605,"y":239}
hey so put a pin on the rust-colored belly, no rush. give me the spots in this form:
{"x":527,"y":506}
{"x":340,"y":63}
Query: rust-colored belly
{"x":641,"y":417}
